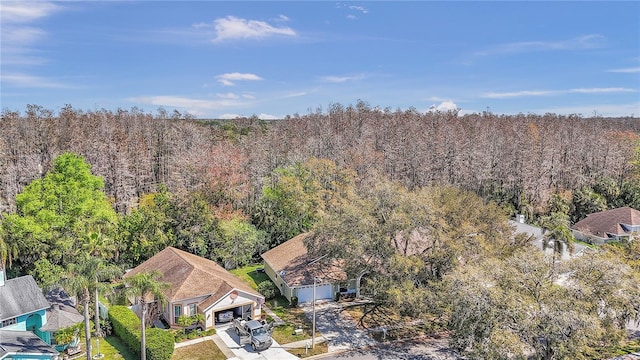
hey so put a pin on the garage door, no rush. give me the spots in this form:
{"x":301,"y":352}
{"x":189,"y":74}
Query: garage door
{"x":305,"y":294}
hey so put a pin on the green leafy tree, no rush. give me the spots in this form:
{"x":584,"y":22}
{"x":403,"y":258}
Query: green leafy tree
{"x":194,"y":224}
{"x":586,"y":201}
{"x":145,"y":288}
{"x":241,"y":242}
{"x":295,"y":196}
{"x":520,"y":308}
{"x":406,"y":241}
{"x":147,"y":230}
{"x":46,"y":274}
{"x":55,"y":214}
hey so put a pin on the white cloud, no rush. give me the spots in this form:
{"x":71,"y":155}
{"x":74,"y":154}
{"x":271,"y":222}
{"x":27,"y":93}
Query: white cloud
{"x":231,"y":27}
{"x":362,"y":9}
{"x":295,"y":94}
{"x":229,"y":78}
{"x":525,"y":93}
{"x":227,"y":96}
{"x":582,"y":42}
{"x":268,"y":117}
{"x":263,"y":116}
{"x":625,"y":70}
{"x":444,"y":106}
{"x":30,"y":81}
{"x":228,"y":116}
{"x":342,"y":79}
{"x":351,"y":17}
{"x":25,"y":11}
{"x":185,"y":102}
{"x":602,"y":90}
{"x":248,"y":96}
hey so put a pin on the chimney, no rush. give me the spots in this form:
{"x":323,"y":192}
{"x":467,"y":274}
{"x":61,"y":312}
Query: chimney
{"x":2,"y":276}
{"x":520,"y":218}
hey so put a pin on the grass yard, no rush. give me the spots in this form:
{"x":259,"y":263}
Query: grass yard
{"x":206,"y":350}
{"x":250,"y":276}
{"x":320,"y":349}
{"x":113,"y":348}
{"x":294,"y":318}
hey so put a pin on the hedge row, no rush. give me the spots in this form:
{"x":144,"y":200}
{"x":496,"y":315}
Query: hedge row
{"x":126,"y":325}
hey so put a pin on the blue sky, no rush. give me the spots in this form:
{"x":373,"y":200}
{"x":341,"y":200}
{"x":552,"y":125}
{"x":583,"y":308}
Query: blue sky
{"x":224,"y":59}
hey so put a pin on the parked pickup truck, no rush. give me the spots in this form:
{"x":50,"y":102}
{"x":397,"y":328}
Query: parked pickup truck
{"x":256,"y":333}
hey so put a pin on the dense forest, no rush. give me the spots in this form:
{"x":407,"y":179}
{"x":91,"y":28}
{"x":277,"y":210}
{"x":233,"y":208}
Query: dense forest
{"x":417,"y":201}
{"x":519,"y":160}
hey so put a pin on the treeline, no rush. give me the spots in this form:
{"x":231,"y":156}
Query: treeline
{"x":519,"y":160}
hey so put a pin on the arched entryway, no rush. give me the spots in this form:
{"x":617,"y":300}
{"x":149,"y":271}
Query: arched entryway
{"x":33,"y":324}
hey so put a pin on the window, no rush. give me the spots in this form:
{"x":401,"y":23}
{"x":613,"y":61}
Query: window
{"x":177,"y":311}
{"x":9,"y":322}
{"x":192,"y":309}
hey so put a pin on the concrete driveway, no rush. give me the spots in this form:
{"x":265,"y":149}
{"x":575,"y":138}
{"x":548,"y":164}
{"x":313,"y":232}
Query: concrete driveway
{"x":244,"y":352}
{"x":337,"y":327}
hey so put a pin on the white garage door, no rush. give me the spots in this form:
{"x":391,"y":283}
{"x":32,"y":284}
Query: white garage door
{"x":305,"y":294}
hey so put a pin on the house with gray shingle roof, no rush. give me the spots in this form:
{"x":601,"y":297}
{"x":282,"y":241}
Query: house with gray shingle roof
{"x":23,"y":307}
{"x":24,"y":345}
{"x":620,"y":224}
{"x":200,"y":286}
{"x":22,"y":313}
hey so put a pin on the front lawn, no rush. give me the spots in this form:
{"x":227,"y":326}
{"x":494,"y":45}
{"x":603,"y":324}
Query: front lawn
{"x":205,"y":350}
{"x":113,"y":348}
{"x":250,"y":275}
{"x":293,"y":317}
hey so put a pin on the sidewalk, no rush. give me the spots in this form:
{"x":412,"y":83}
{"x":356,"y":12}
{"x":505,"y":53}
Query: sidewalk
{"x":301,"y":344}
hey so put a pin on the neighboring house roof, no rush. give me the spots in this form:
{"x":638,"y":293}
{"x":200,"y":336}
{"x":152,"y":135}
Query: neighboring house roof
{"x":603,"y":223}
{"x":23,"y":343}
{"x":61,"y":316}
{"x":522,"y":228}
{"x":290,"y":261}
{"x":20,"y":296}
{"x":191,"y":276}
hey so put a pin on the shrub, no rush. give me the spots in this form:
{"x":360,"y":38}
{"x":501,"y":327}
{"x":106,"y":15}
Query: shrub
{"x":159,"y":344}
{"x":126,"y":325}
{"x":268,"y":289}
{"x":294,"y":301}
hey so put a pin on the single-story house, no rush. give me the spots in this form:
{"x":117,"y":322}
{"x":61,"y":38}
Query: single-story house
{"x":608,"y":226}
{"x":23,"y":307}
{"x":201,"y":286}
{"x":24,"y":345}
{"x":289,"y":266}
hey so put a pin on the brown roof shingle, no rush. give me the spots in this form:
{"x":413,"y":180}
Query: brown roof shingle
{"x":191,"y":276}
{"x":290,"y":261}
{"x":608,"y":222}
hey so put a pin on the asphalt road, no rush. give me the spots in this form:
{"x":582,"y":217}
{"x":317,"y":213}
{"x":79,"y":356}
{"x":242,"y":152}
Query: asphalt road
{"x":420,"y":349}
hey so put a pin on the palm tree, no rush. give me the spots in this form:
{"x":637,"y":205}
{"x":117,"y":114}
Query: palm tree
{"x":81,"y":279}
{"x":144,"y":286}
{"x":556,"y":228}
{"x":99,"y":246}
